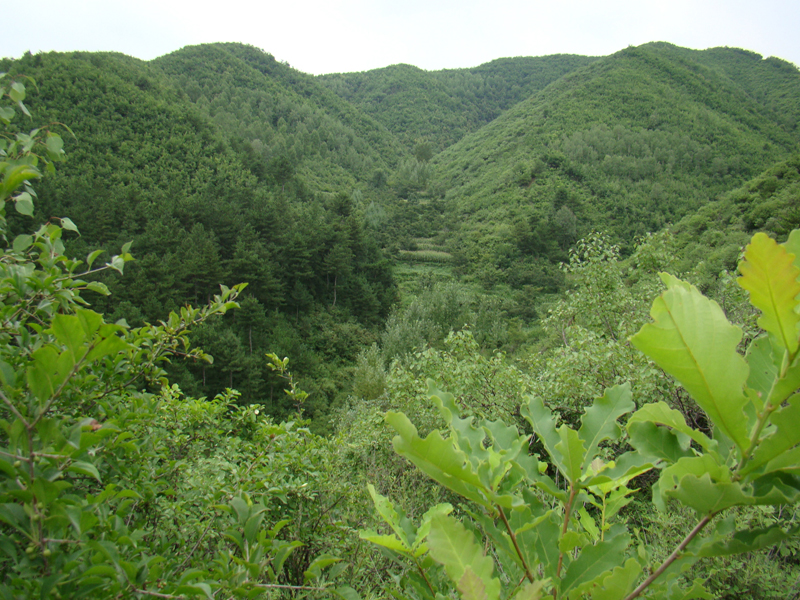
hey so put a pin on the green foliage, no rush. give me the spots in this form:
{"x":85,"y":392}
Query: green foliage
{"x":112,"y":483}
{"x":745,"y":456}
{"x":618,"y":164}
{"x":440,"y":107}
{"x":199,"y":214}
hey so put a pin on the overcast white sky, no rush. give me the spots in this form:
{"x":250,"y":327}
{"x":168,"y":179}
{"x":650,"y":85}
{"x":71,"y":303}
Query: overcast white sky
{"x":325,"y":36}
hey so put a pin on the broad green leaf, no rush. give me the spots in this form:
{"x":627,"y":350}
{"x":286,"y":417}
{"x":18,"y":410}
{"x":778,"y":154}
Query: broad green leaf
{"x":620,"y":583}
{"x":22,"y":243}
{"x":17,"y":92}
{"x":531,"y":591}
{"x":109,"y":346}
{"x":749,"y":540}
{"x":438,"y":458}
{"x":470,"y":586}
{"x":68,"y":331}
{"x":693,"y":341}
{"x":55,"y":145}
{"x":540,"y":543}
{"x":24,"y":204}
{"x":68,"y":225}
{"x":781,"y":487}
{"x":572,"y":451}
{"x":784,"y":437}
{"x":544,"y":426}
{"x":453,"y":546}
{"x":99,"y":287}
{"x":282,"y":554}
{"x":788,"y":462}
{"x":707,"y":496}
{"x":570,"y":540}
{"x":599,"y":422}
{"x":387,"y":541}
{"x":792,"y":245}
{"x":45,"y":376}
{"x":661,"y":414}
{"x":93,"y":257}
{"x":425,"y":526}
{"x":469,"y":436}
{"x":314,"y":570}
{"x":587,"y":522}
{"x":770,"y":276}
{"x":763,"y":371}
{"x":16,"y":176}
{"x":696,"y":466}
{"x":659,"y":443}
{"x":84,"y":468}
{"x":252,"y":526}
{"x":344,"y":592}
{"x":595,"y":561}
{"x":766,"y":359}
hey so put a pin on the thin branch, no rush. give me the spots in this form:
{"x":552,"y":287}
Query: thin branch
{"x":513,"y":537}
{"x":425,"y":577}
{"x":672,"y":557}
{"x":567,"y":512}
{"x":192,"y":551}
{"x":13,"y":408}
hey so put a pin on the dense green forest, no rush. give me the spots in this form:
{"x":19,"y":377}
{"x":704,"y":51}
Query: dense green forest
{"x":421,"y":246}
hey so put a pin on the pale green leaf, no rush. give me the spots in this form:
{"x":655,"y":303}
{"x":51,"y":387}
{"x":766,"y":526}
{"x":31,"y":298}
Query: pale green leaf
{"x":388,"y":513}
{"x":93,"y":257}
{"x":572,"y":452}
{"x":387,"y":541}
{"x":69,"y":225}
{"x":531,"y":591}
{"x":707,"y":496}
{"x":22,"y":243}
{"x":456,"y":548}
{"x":24,"y":204}
{"x":99,"y":287}
{"x":595,"y":561}
{"x":693,"y":341}
{"x":544,"y":426}
{"x":45,"y":375}
{"x":661,"y":414}
{"x":470,"y":586}
{"x":587,"y":522}
{"x":439,"y":458}
{"x":599,"y":422}
{"x":620,"y":583}
{"x":314,"y":570}
{"x":696,"y":466}
{"x":425,"y":525}
{"x":749,"y":540}
{"x":784,"y":436}
{"x":770,"y":276}
{"x":344,"y":592}
{"x":84,"y":468}
{"x":792,"y":245}
{"x":659,"y":443}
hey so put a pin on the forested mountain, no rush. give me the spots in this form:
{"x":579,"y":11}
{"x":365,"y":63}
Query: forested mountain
{"x":449,"y":261}
{"x":150,"y":167}
{"x":438,"y":108}
{"x":222,"y":164}
{"x":282,"y":119}
{"x":625,"y":144}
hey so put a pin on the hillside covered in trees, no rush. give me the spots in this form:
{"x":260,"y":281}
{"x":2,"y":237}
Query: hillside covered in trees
{"x":497,"y":230}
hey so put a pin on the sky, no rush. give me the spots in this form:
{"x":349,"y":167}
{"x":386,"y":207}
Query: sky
{"x":334,"y":36}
